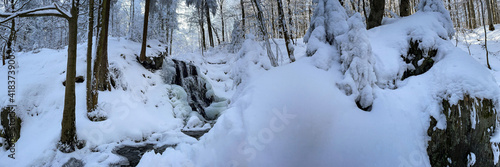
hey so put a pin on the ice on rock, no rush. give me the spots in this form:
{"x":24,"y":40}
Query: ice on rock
{"x":198,"y":91}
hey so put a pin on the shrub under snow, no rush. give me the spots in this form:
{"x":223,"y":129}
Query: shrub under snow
{"x":328,"y":22}
{"x":444,"y":17}
{"x":357,"y":62}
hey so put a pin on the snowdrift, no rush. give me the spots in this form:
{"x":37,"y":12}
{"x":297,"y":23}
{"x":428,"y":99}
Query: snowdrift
{"x":295,"y":115}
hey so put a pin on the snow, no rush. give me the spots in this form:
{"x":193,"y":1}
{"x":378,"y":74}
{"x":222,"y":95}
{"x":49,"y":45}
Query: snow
{"x":328,"y":22}
{"x":471,"y":159}
{"x":357,"y":62}
{"x":291,"y":115}
{"x":136,"y":109}
{"x":396,"y":36}
{"x":443,"y":15}
{"x":294,"y":115}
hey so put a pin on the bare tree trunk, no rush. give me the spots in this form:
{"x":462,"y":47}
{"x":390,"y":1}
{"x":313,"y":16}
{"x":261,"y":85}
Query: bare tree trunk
{"x":496,"y":14}
{"x":242,"y":17}
{"x":100,"y":81}
{"x":209,"y":25}
{"x":102,"y":51}
{"x":221,"y":4}
{"x":142,"y":56}
{"x":68,"y":140}
{"x":263,"y":29}
{"x":485,"y":36}
{"x":273,"y":29}
{"x":281,"y":20}
{"x":99,"y":11}
{"x":404,"y":8}
{"x":112,"y":16}
{"x":216,"y":35}
{"x":364,"y":11}
{"x":376,"y":13}
{"x":490,"y":15}
{"x":12,"y":35}
{"x":131,"y":23}
{"x":297,"y":26}
{"x":309,"y":12}
{"x":90,"y":106}
{"x":472,"y":14}
{"x":290,"y":21}
{"x":456,"y":15}
{"x":467,"y":15}
{"x":171,"y":39}
{"x":452,"y":15}
{"x":202,"y":30}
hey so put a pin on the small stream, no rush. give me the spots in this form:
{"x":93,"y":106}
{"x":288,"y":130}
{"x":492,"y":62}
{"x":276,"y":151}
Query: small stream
{"x":133,"y":154}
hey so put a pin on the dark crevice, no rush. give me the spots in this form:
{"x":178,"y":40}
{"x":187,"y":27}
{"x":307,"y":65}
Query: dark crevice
{"x":421,"y":59}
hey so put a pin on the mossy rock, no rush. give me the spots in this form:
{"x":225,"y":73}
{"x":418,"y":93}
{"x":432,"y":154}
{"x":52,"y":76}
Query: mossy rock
{"x":12,"y":126}
{"x":469,"y":126}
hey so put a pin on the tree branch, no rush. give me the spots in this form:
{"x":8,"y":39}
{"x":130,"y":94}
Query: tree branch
{"x":43,"y":11}
{"x":23,"y":5}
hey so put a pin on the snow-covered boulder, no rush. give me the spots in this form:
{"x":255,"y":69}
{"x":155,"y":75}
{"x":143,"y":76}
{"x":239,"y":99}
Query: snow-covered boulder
{"x":11,"y":124}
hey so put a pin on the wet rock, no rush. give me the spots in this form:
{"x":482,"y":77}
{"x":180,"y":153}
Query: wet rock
{"x":195,"y":133}
{"x":419,"y":60}
{"x":469,"y":125}
{"x":133,"y":154}
{"x":186,"y":75}
{"x":153,"y":63}
{"x":73,"y":162}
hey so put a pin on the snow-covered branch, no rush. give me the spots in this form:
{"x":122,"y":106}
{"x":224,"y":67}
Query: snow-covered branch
{"x":42,"y":11}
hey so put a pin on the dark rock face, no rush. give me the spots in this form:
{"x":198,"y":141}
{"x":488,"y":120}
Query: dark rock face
{"x":420,"y":59}
{"x":12,"y":126}
{"x":469,"y":125}
{"x":153,"y":63}
{"x":186,"y":75}
{"x":73,"y":162}
{"x":195,"y":133}
{"x":135,"y":153}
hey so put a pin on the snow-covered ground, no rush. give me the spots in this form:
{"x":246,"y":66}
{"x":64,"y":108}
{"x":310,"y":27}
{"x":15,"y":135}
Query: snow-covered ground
{"x":474,"y":41}
{"x":295,"y":115}
{"x":291,"y":115}
{"x":139,"y":108}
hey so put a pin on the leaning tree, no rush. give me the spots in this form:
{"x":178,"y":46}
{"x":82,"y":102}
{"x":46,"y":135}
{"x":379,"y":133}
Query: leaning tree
{"x":68,"y":141}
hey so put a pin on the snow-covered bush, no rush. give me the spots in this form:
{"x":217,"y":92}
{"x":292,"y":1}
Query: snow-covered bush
{"x":357,"y":62}
{"x":328,"y":22}
{"x":251,"y":57}
{"x":444,"y":16}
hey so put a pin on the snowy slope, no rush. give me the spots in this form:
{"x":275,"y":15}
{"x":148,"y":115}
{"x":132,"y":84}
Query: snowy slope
{"x":475,"y":40}
{"x":294,"y":115}
{"x":138,"y":109}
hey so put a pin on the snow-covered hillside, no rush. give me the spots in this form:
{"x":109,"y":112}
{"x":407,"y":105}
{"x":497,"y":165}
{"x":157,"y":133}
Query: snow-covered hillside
{"x":292,"y":115}
{"x":295,"y":115}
